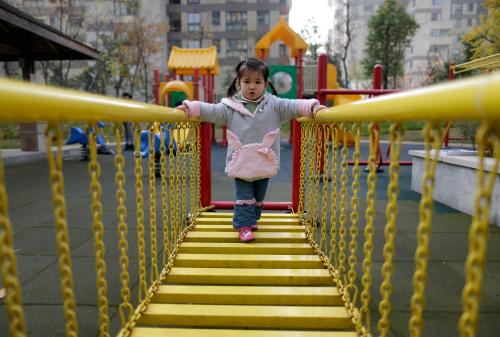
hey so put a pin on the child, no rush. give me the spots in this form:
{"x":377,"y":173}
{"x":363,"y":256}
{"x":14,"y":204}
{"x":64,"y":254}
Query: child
{"x":253,"y":118}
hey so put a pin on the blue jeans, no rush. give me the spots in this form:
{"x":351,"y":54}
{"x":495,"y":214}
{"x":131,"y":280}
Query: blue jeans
{"x":246,"y":213}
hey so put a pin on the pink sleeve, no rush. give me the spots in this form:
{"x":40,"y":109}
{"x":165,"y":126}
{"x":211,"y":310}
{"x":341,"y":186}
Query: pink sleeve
{"x":193,"y":108}
{"x":306,"y":106}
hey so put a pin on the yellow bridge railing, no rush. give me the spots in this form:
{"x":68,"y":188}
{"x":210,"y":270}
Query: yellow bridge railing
{"x":178,"y":160}
{"x":341,"y":222}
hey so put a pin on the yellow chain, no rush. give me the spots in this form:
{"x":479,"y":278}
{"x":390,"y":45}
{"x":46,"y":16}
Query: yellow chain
{"x":433,"y":137}
{"x":198,"y":161}
{"x":478,"y":233}
{"x":139,"y":200}
{"x":152,"y":205}
{"x":326,"y":161}
{"x":125,"y":309}
{"x":343,"y":204}
{"x":177,"y":203}
{"x":369,"y":229}
{"x":353,"y":230}
{"x":184,"y":173}
{"x":164,"y":196}
{"x":310,"y":177}
{"x":54,"y":134}
{"x":333,"y":206}
{"x":171,"y":159}
{"x":390,"y":230}
{"x":317,"y":173}
{"x":303,"y":154}
{"x":192,"y":172}
{"x":8,"y":264}
{"x":98,"y":228}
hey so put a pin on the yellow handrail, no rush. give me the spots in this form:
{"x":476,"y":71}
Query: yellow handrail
{"x":466,"y":99}
{"x":28,"y":102}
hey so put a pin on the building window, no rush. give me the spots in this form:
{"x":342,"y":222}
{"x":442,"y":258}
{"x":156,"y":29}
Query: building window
{"x":172,"y":43}
{"x":193,"y":44}
{"x":174,"y":2}
{"x":194,"y":22}
{"x":456,"y":9}
{"x":457,"y":23}
{"x":216,"y":43}
{"x":122,"y":8}
{"x":174,"y":20}
{"x":236,"y":20}
{"x":54,"y":21}
{"x":436,"y":16}
{"x":434,"y":32}
{"x":193,"y":1}
{"x":75,"y":3}
{"x":262,"y":18}
{"x":471,"y":6}
{"x":236,"y":48}
{"x":216,"y":18}
{"x":437,"y":2}
{"x":434,"y":48}
{"x":470,"y":22}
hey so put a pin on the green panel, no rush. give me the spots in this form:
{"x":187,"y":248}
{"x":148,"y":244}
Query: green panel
{"x":176,"y":98}
{"x":284,"y":79}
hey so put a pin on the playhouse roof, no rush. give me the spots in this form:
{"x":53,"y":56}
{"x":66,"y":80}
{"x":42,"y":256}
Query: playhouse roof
{"x":185,"y":60}
{"x":283,"y":32}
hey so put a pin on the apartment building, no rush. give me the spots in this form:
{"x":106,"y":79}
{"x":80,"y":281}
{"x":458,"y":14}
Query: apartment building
{"x":442,"y":23}
{"x":233,"y":26}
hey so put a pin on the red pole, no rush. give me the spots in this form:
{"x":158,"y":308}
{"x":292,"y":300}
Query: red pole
{"x":377,"y":84}
{"x":196,"y":93}
{"x":205,"y":91}
{"x":157,"y":85}
{"x":205,"y":167}
{"x":322,"y":61}
{"x":167,"y":96}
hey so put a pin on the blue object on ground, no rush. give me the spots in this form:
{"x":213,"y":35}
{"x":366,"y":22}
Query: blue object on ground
{"x":78,"y":135}
{"x":145,"y":142}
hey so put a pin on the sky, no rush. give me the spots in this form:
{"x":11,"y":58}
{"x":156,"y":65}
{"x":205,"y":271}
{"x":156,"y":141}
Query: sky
{"x":305,"y":10}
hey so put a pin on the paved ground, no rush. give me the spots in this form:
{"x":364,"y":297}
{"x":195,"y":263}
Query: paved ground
{"x":31,"y":213}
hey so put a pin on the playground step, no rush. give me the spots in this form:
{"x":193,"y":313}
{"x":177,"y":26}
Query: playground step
{"x":245,"y":248}
{"x":249,"y":295}
{"x":262,"y":221}
{"x":266,"y":237}
{"x":264,"y":215}
{"x":248,"y":261}
{"x":176,"y":332}
{"x":262,"y":228}
{"x":234,"y":316}
{"x":249,"y":276}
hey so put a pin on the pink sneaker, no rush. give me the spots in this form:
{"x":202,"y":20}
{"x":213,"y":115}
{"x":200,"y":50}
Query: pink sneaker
{"x":254,"y":227}
{"x":246,"y":234}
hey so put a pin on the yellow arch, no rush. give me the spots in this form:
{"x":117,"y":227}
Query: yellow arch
{"x":283,"y":32}
{"x":168,"y":87}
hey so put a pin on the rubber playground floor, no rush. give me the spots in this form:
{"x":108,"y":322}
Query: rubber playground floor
{"x":30,"y":209}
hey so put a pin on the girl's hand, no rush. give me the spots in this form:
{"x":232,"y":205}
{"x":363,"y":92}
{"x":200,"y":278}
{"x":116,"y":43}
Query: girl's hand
{"x":317,"y":108}
{"x":183,"y":108}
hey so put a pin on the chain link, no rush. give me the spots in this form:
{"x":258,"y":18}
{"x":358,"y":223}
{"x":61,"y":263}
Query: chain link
{"x":125,"y":309}
{"x":98,"y":228}
{"x":478,"y":233}
{"x":369,"y":229}
{"x":164,"y":196}
{"x":139,"y":200}
{"x":326,"y":160}
{"x":8,"y":265}
{"x":333,"y":203}
{"x":171,"y":160}
{"x":152,"y":205}
{"x":184,"y":173}
{"x":343,"y":204}
{"x":433,"y":138}
{"x":302,"y":175}
{"x":54,"y":135}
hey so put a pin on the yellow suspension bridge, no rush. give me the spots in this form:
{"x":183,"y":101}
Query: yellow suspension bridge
{"x":179,"y":270}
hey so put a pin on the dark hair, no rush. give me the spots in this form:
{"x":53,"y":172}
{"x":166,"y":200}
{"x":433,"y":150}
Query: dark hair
{"x":127,"y":94}
{"x":251,"y":64}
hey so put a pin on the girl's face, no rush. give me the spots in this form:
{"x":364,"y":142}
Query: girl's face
{"x":252,"y":84}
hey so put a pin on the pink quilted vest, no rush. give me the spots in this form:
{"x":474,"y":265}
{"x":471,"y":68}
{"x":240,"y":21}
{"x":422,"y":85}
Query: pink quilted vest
{"x":253,"y":161}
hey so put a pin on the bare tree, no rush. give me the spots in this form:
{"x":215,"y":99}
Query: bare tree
{"x":346,"y":30}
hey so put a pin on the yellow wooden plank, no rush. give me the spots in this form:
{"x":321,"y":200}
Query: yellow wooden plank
{"x":289,"y":317}
{"x":262,"y":228}
{"x":247,"y":261}
{"x":244,"y":295}
{"x":264,"y":215}
{"x":249,"y":276}
{"x":263,"y":221}
{"x":177,"y":332}
{"x":245,"y":248}
{"x":270,"y":237}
